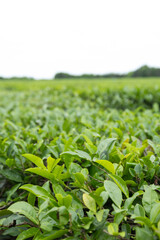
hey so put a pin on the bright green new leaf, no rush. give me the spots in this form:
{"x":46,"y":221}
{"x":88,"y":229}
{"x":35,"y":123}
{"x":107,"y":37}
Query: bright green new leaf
{"x":99,"y":215}
{"x":39,"y":192}
{"x":113,"y":229}
{"x":27,"y":234}
{"x":79,"y":178}
{"x":31,"y":199}
{"x":107,"y":165}
{"x":52,"y":235}
{"x":89,"y":145}
{"x":51,"y":163}
{"x":42,"y":172}
{"x":57,"y":171}
{"x":64,"y":201}
{"x":36,"y":160}
{"x":143,"y":221}
{"x":89,"y":202}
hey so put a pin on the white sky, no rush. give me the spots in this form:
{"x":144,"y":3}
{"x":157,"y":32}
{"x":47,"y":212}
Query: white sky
{"x":39,"y":38}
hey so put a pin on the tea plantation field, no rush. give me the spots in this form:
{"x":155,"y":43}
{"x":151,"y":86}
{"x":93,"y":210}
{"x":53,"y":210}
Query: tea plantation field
{"x":80,"y":159}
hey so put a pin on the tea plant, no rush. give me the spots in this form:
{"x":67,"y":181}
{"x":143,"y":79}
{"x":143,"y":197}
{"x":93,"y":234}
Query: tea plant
{"x":72,"y":168}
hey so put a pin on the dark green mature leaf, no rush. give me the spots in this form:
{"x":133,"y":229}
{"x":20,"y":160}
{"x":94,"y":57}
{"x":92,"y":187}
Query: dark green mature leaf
{"x":142,"y":233}
{"x":12,"y":191}
{"x":5,"y":212}
{"x":78,"y":153}
{"x":121,"y":184}
{"x":129,"y":201}
{"x":114,"y":192}
{"x":25,"y":209}
{"x":149,"y":198}
{"x":105,"y":147}
{"x":155,"y":213}
{"x":12,"y":175}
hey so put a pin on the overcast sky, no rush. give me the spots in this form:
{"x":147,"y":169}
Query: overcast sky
{"x":39,"y":38}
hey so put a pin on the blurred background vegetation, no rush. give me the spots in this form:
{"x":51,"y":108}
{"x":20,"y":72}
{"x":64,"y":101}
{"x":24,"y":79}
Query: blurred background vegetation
{"x":142,"y":72}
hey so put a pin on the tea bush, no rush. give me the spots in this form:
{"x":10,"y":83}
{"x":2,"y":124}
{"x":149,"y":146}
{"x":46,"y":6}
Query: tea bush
{"x":79,"y":163}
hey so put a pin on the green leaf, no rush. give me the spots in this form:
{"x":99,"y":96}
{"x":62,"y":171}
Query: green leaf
{"x":143,"y":221}
{"x":31,"y":199}
{"x":51,"y":163}
{"x":5,"y":212}
{"x":99,"y":215}
{"x":114,"y":192}
{"x":113,"y":229}
{"x":129,"y":201}
{"x":57,"y":171}
{"x":64,"y":201}
{"x":12,"y":191}
{"x":105,"y":147}
{"x":155,"y":213}
{"x":142,"y":233}
{"x":107,"y":165}
{"x":78,"y":153}
{"x":25,"y":209}
{"x":36,"y":160}
{"x":121,"y":184}
{"x":58,"y":189}
{"x":42,"y":172}
{"x":89,"y":145}
{"x":52,"y":235}
{"x":27,"y":234}
{"x":2,"y":221}
{"x":44,"y":205}
{"x":139,"y":211}
{"x":79,"y":179}
{"x":39,"y":192}
{"x":63,"y":215}
{"x":89,"y":202}
{"x":149,"y":198}
{"x":12,"y":175}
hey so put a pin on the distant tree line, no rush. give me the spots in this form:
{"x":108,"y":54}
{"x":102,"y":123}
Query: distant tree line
{"x":17,"y":78}
{"x":143,"y":71}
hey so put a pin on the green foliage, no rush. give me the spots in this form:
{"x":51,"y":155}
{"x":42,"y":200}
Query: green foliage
{"x":73,"y":168}
{"x":143,"y":71}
